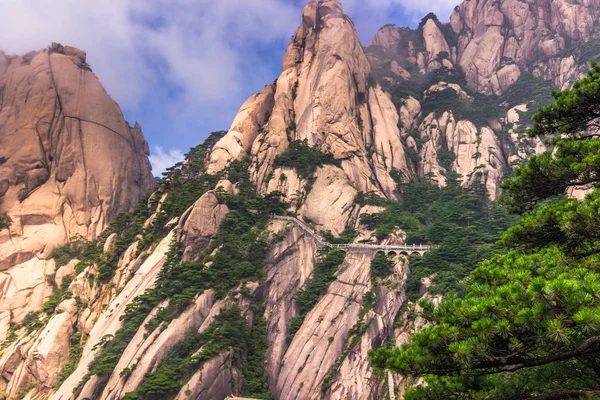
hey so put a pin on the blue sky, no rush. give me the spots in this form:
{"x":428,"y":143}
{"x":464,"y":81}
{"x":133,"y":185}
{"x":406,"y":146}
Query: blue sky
{"x":182,"y":68}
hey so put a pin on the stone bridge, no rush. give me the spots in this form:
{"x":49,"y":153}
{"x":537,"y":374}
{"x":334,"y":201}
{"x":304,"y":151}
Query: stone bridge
{"x":390,"y":250}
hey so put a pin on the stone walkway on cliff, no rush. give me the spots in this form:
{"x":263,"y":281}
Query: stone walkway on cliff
{"x":374,"y":248}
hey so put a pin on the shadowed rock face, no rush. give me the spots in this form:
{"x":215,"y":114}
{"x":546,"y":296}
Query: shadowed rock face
{"x":69,"y":161}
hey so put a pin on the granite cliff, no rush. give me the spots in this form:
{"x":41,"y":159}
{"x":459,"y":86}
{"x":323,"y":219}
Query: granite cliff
{"x":69,"y":163}
{"x":149,"y":304}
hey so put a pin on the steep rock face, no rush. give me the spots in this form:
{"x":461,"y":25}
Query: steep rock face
{"x":502,"y":48}
{"x":477,"y":153}
{"x":108,"y":321}
{"x":320,"y":350}
{"x":494,"y":42}
{"x":200,"y":223}
{"x":69,"y":163}
{"x":244,"y":129}
{"x":323,"y":96}
{"x":388,"y":38}
{"x":435,"y":42}
{"x":38,"y":360}
{"x":327,"y":96}
{"x":218,"y":379}
{"x":494,"y":34}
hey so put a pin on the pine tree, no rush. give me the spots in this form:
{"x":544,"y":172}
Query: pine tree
{"x":529,"y":325}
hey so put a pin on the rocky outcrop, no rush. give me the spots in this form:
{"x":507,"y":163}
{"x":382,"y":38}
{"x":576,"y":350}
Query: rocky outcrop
{"x":487,"y":47}
{"x":38,"y":360}
{"x":387,"y":38}
{"x":298,"y":371}
{"x":500,"y":39}
{"x":70,"y":162}
{"x":109,"y":321}
{"x":217,"y":379}
{"x":200,"y":223}
{"x":495,"y":41}
{"x":323,"y":96}
{"x":246,"y":126}
{"x":398,"y":110}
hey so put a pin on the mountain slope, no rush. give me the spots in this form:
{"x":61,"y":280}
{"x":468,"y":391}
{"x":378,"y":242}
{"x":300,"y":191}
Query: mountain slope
{"x":463,"y":87}
{"x":69,"y":164}
{"x":200,"y":293}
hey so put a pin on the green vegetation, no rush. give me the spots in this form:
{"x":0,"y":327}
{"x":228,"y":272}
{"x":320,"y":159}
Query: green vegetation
{"x":446,"y":158}
{"x":459,"y":221}
{"x":478,"y":109}
{"x":228,"y":332}
{"x":58,"y":293}
{"x":418,"y":83}
{"x":304,"y":158}
{"x":75,"y":352}
{"x":186,"y":182}
{"x":64,"y":254}
{"x":253,"y":369}
{"x":315,"y":287}
{"x":126,"y":226}
{"x":370,"y":199}
{"x":240,"y":245}
{"x":346,"y":237}
{"x":529,"y":324}
{"x":587,"y":52}
{"x":530,"y":90}
{"x":5,"y":222}
{"x":25,"y":391}
{"x":30,"y":323}
{"x":381,"y":266}
{"x":23,"y":194}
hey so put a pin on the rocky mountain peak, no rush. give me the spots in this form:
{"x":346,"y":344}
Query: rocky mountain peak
{"x":495,"y":41}
{"x":69,"y":163}
{"x":498,"y":40}
{"x":325,"y":99}
{"x":66,"y":151}
{"x":288,"y":226}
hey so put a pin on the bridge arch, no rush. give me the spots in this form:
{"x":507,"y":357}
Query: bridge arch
{"x":387,"y":250}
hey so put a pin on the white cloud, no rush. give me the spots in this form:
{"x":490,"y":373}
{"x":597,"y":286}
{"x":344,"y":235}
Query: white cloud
{"x":161,"y":159}
{"x":415,"y":8}
{"x":176,"y":64}
{"x":200,"y":50}
{"x":192,"y":47}
{"x":443,"y":8}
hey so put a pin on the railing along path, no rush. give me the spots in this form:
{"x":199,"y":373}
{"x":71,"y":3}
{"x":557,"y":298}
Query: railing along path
{"x":408,"y":249}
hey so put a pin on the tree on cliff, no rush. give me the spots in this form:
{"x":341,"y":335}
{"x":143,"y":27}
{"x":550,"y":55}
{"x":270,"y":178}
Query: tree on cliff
{"x":529,"y":327}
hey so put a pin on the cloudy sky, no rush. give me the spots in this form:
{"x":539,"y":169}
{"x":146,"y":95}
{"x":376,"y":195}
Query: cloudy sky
{"x":182,"y":68}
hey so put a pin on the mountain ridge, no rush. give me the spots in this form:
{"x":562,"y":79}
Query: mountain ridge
{"x":342,"y":140}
